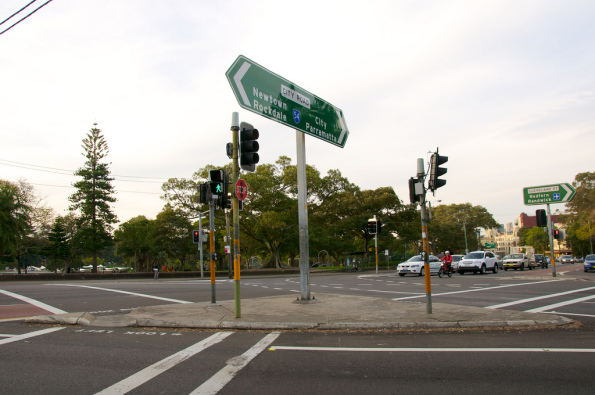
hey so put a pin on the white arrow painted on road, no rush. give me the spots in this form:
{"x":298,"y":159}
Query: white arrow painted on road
{"x":238,"y":80}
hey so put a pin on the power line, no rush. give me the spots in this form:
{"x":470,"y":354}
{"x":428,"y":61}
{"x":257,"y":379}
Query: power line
{"x":47,"y":169}
{"x":70,"y":186}
{"x":1,"y":23}
{"x":25,"y":17}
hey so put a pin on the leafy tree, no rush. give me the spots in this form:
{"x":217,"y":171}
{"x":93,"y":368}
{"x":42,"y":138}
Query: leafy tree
{"x":580,"y":220}
{"x":537,"y":238}
{"x":15,"y":218}
{"x":135,"y":239}
{"x":173,"y":234}
{"x":93,"y":197}
{"x":451,"y":222}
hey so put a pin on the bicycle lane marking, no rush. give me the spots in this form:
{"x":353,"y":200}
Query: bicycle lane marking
{"x":17,"y":338}
{"x":521,"y":301}
{"x":473,"y":290}
{"x":34,"y":302}
{"x":165,"y":364}
{"x":234,"y":365}
{"x":124,"y":292}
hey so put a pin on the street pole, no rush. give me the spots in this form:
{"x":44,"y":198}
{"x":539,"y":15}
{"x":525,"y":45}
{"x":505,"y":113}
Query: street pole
{"x":590,"y":236}
{"x":235,"y":175}
{"x":550,"y":227}
{"x":465,"y":233}
{"x":376,"y":244}
{"x":200,"y":248}
{"x":227,"y":243}
{"x":212,"y":245}
{"x":424,"y":235}
{"x":303,"y":216}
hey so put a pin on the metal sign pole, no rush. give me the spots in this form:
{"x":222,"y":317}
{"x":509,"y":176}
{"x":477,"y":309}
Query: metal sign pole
{"x":550,"y":229}
{"x":303,"y":216}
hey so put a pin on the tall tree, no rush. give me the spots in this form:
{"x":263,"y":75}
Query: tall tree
{"x":135,"y":240}
{"x":15,"y":218}
{"x":93,"y":197}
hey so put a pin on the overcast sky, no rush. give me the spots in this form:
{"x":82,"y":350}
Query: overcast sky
{"x":505,"y":89}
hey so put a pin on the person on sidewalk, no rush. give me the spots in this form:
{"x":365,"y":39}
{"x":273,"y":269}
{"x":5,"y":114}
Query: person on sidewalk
{"x":156,"y":270}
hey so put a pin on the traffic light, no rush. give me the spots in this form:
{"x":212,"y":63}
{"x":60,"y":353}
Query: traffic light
{"x":413,"y":197}
{"x":203,"y":193}
{"x":248,"y":147}
{"x":436,"y":171}
{"x":196,"y":236}
{"x":216,"y":182}
{"x":228,"y":202}
{"x":378,"y":227}
{"x":372,"y":226}
{"x":556,"y":233}
{"x":541,"y":218}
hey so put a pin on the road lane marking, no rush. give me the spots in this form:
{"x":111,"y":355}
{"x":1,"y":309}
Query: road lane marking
{"x":555,"y":305}
{"x":558,"y":312}
{"x":125,"y":292}
{"x":234,"y":365}
{"x":30,"y":335}
{"x":415,"y":349}
{"x":34,"y":302}
{"x":150,"y":372}
{"x":520,"y":301}
{"x":474,"y":290}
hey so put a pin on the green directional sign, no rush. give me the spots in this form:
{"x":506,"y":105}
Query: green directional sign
{"x":265,"y":93}
{"x":547,"y":194}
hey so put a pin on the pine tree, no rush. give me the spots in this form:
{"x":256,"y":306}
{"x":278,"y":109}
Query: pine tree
{"x":92,"y":198}
{"x":59,"y":247}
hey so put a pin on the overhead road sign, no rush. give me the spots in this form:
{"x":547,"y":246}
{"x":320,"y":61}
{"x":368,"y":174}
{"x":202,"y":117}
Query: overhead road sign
{"x":265,"y":93}
{"x":548,"y":194}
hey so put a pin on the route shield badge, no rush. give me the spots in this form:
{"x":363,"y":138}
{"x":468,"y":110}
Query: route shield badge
{"x":296,"y":116}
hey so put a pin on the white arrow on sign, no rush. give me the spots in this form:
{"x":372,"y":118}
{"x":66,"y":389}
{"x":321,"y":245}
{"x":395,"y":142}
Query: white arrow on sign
{"x":238,"y":80}
{"x":569,"y":192}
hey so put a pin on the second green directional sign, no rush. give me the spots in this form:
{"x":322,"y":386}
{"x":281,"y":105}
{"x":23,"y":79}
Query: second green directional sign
{"x":265,"y":93}
{"x":547,"y":194}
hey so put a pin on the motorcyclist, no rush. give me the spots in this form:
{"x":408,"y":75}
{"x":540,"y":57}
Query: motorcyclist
{"x":447,"y":259}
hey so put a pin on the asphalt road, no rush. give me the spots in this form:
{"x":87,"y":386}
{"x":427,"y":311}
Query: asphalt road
{"x":119,"y":360}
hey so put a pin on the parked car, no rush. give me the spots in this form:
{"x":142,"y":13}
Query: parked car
{"x":455,"y":261}
{"x":478,"y":262}
{"x":415,"y":265}
{"x":566,"y":259}
{"x":519,"y":261}
{"x":589,"y":263}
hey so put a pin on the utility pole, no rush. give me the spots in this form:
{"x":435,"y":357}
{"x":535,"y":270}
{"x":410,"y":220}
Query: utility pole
{"x":235,"y":175}
{"x":424,"y":235}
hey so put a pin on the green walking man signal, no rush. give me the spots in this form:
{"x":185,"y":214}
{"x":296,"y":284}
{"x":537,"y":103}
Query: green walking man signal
{"x":216,"y":180}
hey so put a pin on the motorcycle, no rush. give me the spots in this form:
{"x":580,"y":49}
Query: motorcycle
{"x":445,"y":269}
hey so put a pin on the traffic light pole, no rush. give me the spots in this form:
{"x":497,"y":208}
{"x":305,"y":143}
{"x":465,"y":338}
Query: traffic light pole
{"x":235,"y":248}
{"x":212,"y":246}
{"x":550,"y":231}
{"x":424,"y":236}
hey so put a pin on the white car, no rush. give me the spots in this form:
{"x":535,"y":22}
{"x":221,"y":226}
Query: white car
{"x":415,"y":265}
{"x":455,"y":261}
{"x":478,"y":262}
